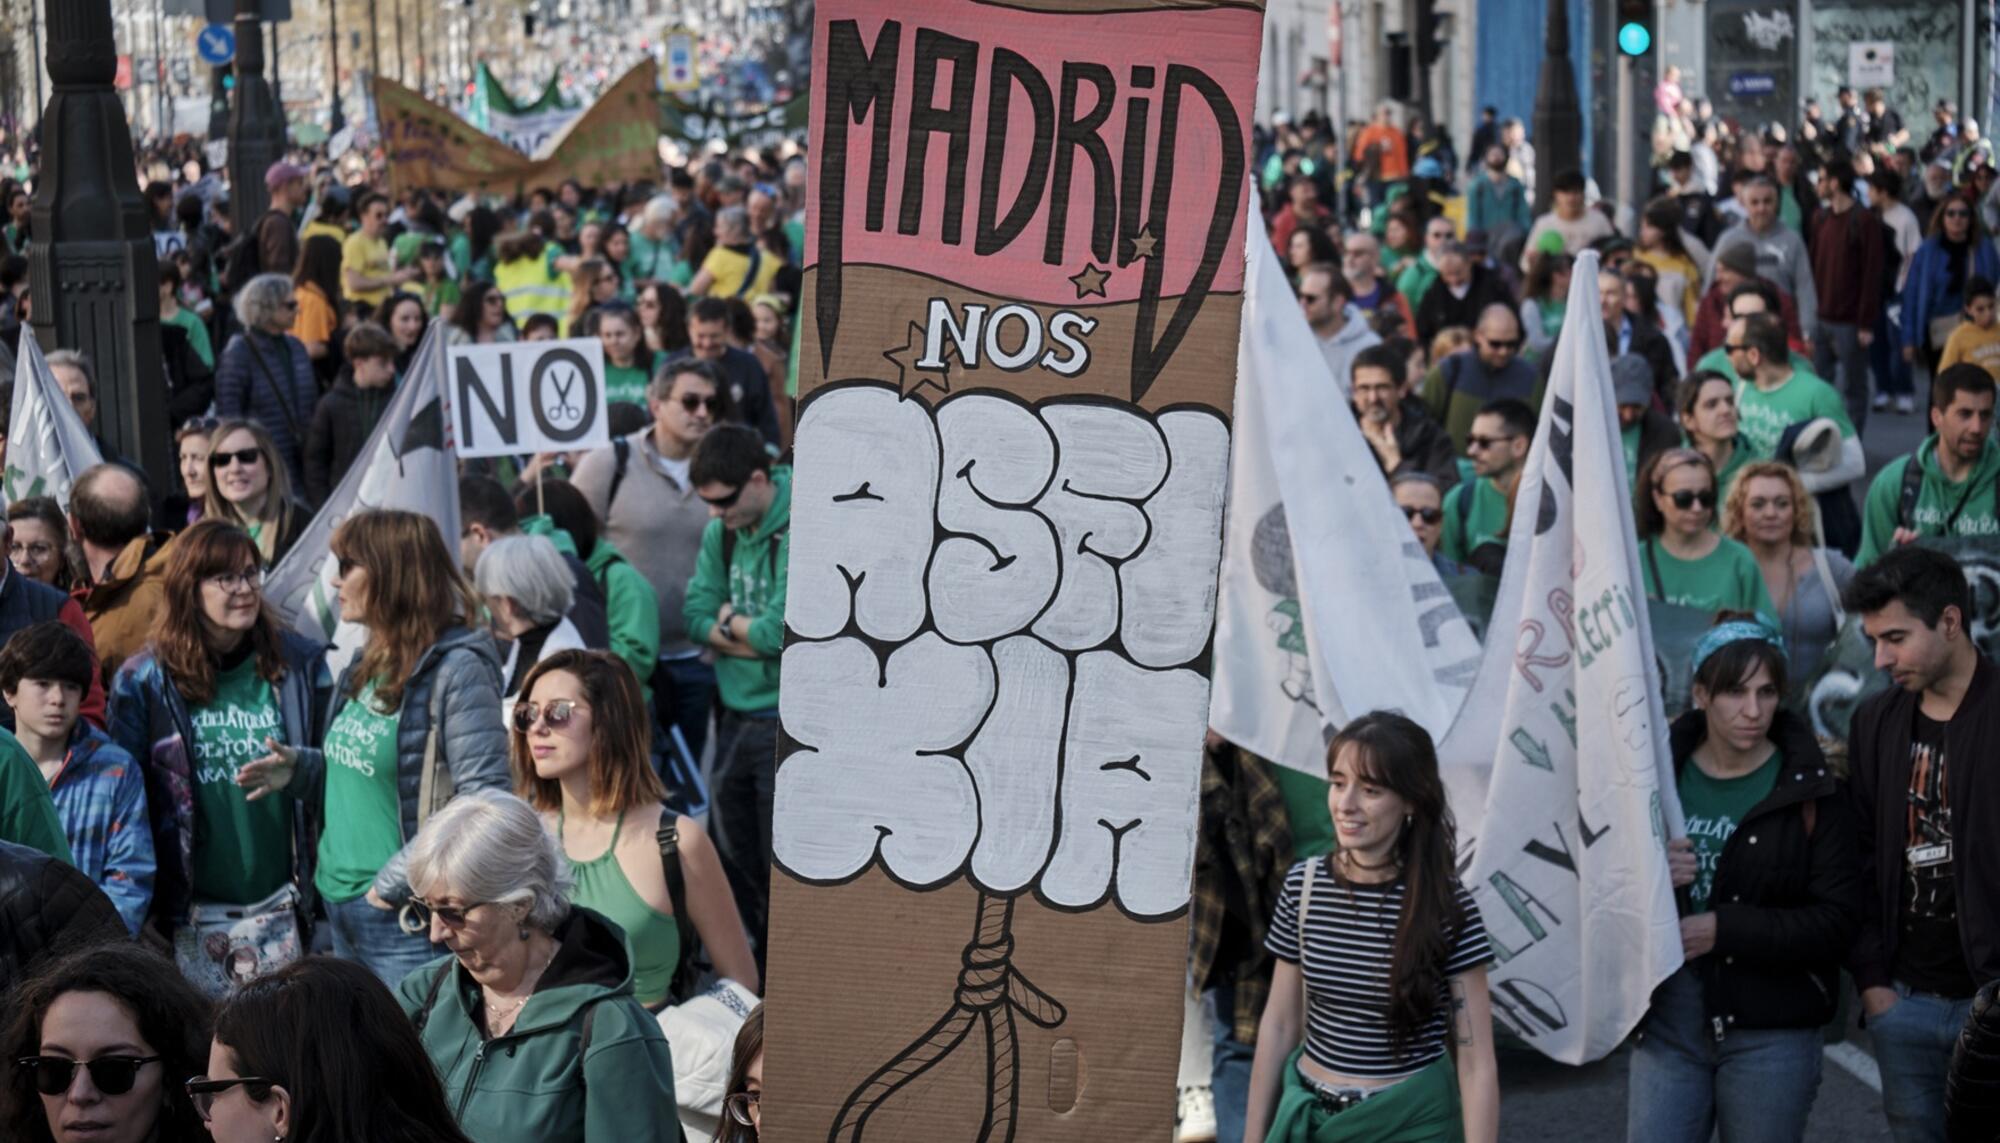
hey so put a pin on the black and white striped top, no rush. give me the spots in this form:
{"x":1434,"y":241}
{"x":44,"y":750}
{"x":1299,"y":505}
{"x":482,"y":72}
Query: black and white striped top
{"x":1350,"y":935}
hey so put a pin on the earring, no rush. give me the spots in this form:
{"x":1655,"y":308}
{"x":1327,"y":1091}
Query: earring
{"x":522,"y":932}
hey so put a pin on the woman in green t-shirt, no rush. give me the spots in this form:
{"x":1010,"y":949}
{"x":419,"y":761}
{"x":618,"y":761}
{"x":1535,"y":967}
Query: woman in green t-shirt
{"x":582,"y":756}
{"x":415,"y":721}
{"x":1684,"y":560}
{"x":628,"y":363}
{"x":222,"y":684}
{"x":1706,"y":401}
{"x":1770,"y":890}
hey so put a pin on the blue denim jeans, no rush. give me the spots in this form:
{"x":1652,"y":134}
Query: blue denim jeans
{"x":683,"y":691}
{"x":1892,"y":373}
{"x":1753,"y":1085}
{"x":361,"y":932}
{"x":1842,"y":362}
{"x":1231,"y":1070}
{"x":1913,"y":1043}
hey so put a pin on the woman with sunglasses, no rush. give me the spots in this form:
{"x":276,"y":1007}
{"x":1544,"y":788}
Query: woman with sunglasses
{"x":480,"y":317}
{"x":415,"y":720}
{"x":220,"y":683}
{"x":191,"y":454}
{"x":97,"y":1046}
{"x":319,"y":1052}
{"x":1957,"y":250}
{"x":531,"y":1020}
{"x":39,"y":548}
{"x":1770,"y":887}
{"x":1684,"y":560}
{"x":252,"y":491}
{"x":743,"y":1117}
{"x":582,"y":756}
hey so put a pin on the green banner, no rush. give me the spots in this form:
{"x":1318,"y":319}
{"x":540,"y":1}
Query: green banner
{"x":698,"y":124}
{"x":490,"y":97}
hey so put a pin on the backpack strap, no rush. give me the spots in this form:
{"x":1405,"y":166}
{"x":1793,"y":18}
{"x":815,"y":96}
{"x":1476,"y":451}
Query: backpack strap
{"x":1912,"y":488}
{"x":622,"y":450}
{"x":668,"y":837}
{"x":1305,"y":907}
{"x":423,"y":1015}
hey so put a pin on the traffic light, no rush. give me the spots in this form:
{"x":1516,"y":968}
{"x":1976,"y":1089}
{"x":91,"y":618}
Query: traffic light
{"x":1635,"y":27}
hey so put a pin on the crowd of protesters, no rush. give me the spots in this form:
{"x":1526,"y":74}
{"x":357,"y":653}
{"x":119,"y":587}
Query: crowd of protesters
{"x":493,"y":813}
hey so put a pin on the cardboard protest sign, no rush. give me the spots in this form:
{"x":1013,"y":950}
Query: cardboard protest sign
{"x":529,"y":396}
{"x":1563,"y":741}
{"x":615,"y":140}
{"x":1021,"y":303}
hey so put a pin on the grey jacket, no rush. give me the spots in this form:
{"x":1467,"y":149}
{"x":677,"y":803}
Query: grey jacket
{"x":455,"y":692}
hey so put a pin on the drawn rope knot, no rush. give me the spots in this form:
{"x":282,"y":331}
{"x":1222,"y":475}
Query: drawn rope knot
{"x":990,"y":990}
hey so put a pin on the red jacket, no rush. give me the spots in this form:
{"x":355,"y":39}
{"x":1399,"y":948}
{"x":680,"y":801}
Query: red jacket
{"x":1711,"y":320}
{"x":1847,"y":266}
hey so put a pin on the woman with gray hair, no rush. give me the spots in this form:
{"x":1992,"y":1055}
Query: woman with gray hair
{"x":265,"y":374}
{"x":548,"y":981}
{"x":528,"y":590}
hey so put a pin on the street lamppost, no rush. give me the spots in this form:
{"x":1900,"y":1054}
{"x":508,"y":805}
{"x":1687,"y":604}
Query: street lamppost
{"x":256,"y":125}
{"x":337,"y":119}
{"x":94,"y":284}
{"x":1558,"y":118}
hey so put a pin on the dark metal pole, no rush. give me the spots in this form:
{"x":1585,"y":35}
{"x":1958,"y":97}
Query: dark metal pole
{"x":256,"y":124}
{"x":338,"y":119}
{"x":401,"y":59}
{"x":93,"y":280}
{"x":1558,"y":118}
{"x":277,"y":70}
{"x":374,"y":41}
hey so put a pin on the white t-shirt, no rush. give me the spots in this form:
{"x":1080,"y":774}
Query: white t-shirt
{"x":1903,"y":222}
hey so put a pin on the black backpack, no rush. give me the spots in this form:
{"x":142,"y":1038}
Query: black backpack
{"x":1912,"y":490}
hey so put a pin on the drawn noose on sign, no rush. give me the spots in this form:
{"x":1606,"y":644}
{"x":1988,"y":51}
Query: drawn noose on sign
{"x":990,"y":990}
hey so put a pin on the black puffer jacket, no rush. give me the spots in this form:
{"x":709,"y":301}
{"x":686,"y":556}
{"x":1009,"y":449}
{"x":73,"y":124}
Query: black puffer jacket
{"x":46,"y":906}
{"x":1788,"y":893}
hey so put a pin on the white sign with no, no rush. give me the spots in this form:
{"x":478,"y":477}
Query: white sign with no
{"x":528,"y":397}
{"x":1871,"y":64}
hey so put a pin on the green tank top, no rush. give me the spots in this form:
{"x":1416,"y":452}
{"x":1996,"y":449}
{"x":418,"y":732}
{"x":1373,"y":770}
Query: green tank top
{"x":654,"y":939}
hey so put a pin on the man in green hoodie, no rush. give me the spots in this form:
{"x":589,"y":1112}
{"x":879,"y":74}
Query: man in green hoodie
{"x":736,"y":605}
{"x":1953,"y":491}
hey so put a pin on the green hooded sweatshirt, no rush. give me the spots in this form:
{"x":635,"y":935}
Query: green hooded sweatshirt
{"x":1968,"y":505}
{"x":540,"y":1081}
{"x":631,"y":609}
{"x":753,"y":584}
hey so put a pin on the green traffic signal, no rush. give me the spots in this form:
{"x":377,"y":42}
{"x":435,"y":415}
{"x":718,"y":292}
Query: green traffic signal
{"x":1635,"y":39}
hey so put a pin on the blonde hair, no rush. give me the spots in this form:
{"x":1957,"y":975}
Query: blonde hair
{"x":1735,"y":506}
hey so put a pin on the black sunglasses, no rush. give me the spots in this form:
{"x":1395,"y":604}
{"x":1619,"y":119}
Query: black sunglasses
{"x":1685,"y":499}
{"x":1427,"y":515}
{"x":1502,"y":342}
{"x":202,"y":1091}
{"x":454,"y":916}
{"x":112,"y":1075}
{"x":243,"y":456}
{"x":199,"y":425}
{"x":693,"y":401}
{"x":724,"y":502}
{"x":555,"y":714}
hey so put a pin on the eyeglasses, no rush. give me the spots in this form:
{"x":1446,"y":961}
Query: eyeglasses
{"x":555,"y":714}
{"x":1478,"y":443}
{"x":112,"y":1075}
{"x":247,"y":457}
{"x":693,"y":401}
{"x":199,"y":425}
{"x":1427,"y":515}
{"x":202,"y":1091}
{"x":743,"y":1107}
{"x":1509,"y":344}
{"x":249,"y":579}
{"x":454,"y":916}
{"x":724,"y":502}
{"x":33,"y":553}
{"x":1685,"y":499}
{"x":1311,"y":299}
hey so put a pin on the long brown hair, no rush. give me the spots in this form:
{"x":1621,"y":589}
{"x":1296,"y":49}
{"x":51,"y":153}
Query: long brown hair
{"x":1397,"y":754}
{"x":279,"y":506}
{"x":416,"y":592}
{"x":1653,"y":475}
{"x":209,"y":547}
{"x":621,"y":764}
{"x":749,"y":1042}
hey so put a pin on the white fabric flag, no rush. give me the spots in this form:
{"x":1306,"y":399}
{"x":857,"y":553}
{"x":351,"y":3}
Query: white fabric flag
{"x":1321,"y":574}
{"x":410,"y":463}
{"x":1569,"y":860}
{"x":48,"y":446}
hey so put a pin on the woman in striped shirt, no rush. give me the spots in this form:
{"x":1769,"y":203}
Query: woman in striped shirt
{"x":1381,"y":966}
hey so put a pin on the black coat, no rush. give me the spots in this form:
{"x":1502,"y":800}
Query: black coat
{"x":1787,"y":893}
{"x":47,"y":907}
{"x":1878,"y":752}
{"x":1438,"y":309}
{"x":341,"y":423}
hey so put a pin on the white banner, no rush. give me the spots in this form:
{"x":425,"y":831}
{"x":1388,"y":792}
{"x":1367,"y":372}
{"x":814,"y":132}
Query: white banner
{"x":48,"y":446}
{"x":1320,"y":572}
{"x":530,"y":131}
{"x":409,"y":463}
{"x":1569,"y":861}
{"x":529,"y":396}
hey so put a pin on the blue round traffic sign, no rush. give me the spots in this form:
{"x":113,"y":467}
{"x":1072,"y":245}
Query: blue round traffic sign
{"x":216,"y":45}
